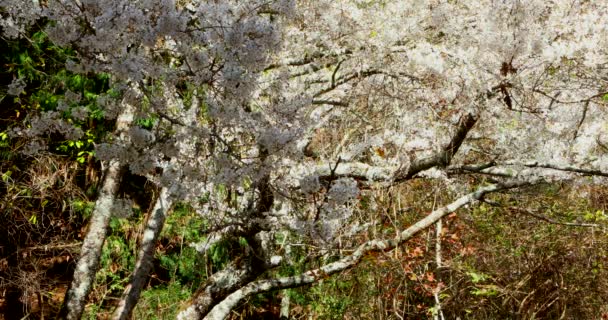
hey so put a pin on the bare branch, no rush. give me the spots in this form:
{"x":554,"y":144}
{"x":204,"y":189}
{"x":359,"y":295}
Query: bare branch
{"x":363,"y":171}
{"x":443,"y":158}
{"x":356,"y":170}
{"x":580,"y":123}
{"x":345,"y":79}
{"x":503,"y":168}
{"x":221,"y":310}
{"x":566,"y":168}
{"x":330,"y":102}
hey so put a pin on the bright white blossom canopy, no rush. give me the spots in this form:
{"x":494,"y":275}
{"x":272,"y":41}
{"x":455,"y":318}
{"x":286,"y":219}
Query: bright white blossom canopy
{"x":277,"y":116}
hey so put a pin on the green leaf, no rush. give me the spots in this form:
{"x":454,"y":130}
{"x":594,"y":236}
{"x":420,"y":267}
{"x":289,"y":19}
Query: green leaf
{"x":6,"y":175}
{"x":487,"y":291}
{"x":477,"y":277}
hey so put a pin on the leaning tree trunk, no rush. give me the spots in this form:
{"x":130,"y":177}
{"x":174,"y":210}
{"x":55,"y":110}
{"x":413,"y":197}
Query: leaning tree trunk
{"x":157,"y":218}
{"x":154,"y":226}
{"x":90,"y":252}
{"x":76,"y":297}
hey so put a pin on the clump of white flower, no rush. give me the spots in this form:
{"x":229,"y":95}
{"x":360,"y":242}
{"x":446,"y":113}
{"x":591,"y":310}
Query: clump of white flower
{"x":72,"y":97}
{"x":80,"y":113}
{"x":51,"y":122}
{"x":343,"y":190}
{"x":108,"y":151}
{"x":310,"y":184}
{"x":143,"y":164}
{"x":274,"y":139}
{"x":16,"y":87}
{"x":141,"y":137}
{"x":33,"y":148}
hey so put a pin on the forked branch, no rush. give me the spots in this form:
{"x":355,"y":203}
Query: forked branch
{"x":221,"y":310}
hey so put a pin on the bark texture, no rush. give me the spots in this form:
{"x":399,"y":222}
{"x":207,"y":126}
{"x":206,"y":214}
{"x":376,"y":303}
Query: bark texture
{"x":217,"y":288}
{"x":76,"y":297}
{"x":238,"y":273}
{"x":154,"y":226}
{"x":90,"y":252}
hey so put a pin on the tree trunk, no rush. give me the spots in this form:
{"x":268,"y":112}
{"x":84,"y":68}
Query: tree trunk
{"x":90,"y":252}
{"x":145,"y":256}
{"x":76,"y":297}
{"x":285,"y":301}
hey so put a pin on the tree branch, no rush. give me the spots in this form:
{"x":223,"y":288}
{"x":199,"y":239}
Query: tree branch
{"x":566,"y":168}
{"x":444,"y":157}
{"x":502,"y":168}
{"x":90,"y":252}
{"x":144,"y":262}
{"x":363,"y":171}
{"x":221,"y":310}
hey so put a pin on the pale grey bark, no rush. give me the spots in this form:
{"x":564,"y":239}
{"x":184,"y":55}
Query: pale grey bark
{"x":357,"y":170}
{"x":145,"y":256}
{"x":285,"y":301}
{"x":438,"y":313}
{"x":363,"y":171}
{"x":90,"y":252}
{"x":222,"y":309}
{"x":217,"y":287}
{"x":88,"y":262}
{"x":520,"y":169}
{"x":558,"y":167}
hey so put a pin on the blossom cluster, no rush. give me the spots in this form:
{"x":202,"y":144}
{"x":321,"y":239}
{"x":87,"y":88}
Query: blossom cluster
{"x":239,"y":89}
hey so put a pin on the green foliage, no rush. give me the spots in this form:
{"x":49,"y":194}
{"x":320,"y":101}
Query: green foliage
{"x":84,"y":208}
{"x":222,"y":252}
{"x":117,"y":257}
{"x":161,"y":302}
{"x":82,"y":148}
{"x":477,"y":277}
{"x":595,"y":216}
{"x":42,"y":65}
{"x":183,"y":222}
{"x":147,"y":123}
{"x":327,"y":299}
{"x":179,"y":259}
{"x":92,"y":312}
{"x":185,"y":266}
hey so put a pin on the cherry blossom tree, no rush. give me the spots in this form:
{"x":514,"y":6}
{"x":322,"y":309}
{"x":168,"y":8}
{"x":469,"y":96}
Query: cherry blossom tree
{"x":274,"y":118}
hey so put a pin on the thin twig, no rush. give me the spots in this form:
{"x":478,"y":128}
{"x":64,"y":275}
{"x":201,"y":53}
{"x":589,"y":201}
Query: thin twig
{"x":52,"y":247}
{"x":580,"y":123}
